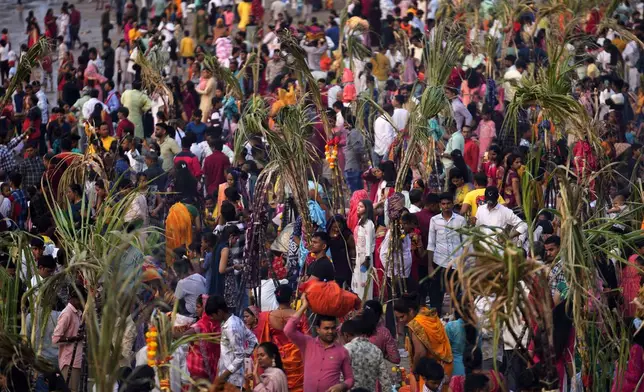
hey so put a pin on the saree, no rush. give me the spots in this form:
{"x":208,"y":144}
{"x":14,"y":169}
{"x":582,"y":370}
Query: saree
{"x":430,"y":331}
{"x":203,"y":355}
{"x":356,"y":198}
{"x":178,"y":229}
{"x":291,"y":357}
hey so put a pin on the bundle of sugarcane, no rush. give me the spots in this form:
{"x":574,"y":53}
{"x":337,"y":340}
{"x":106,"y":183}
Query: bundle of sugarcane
{"x":152,"y":62}
{"x":223,"y":74}
{"x":25,"y":65}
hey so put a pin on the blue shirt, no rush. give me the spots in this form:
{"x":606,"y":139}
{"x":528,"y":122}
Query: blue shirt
{"x":198,"y":129}
{"x":333,"y":32}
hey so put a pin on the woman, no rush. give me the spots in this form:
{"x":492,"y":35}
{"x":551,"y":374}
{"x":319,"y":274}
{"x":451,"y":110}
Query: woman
{"x":630,"y":280}
{"x":343,"y":249}
{"x":512,"y":182}
{"x":51,"y":29}
{"x":459,"y":187}
{"x":460,"y":335}
{"x":273,"y":378}
{"x":190,"y":97}
{"x":251,"y":318}
{"x":63,"y":24}
{"x":426,"y":335}
{"x":207,"y":93}
{"x":365,"y":240}
{"x":201,"y":25}
{"x":352,"y":217}
{"x":473,"y":362}
{"x":203,"y":354}
{"x":628,"y":379}
{"x":34,"y":34}
{"x":244,"y":9}
{"x":473,"y":86}
{"x":232,"y":178}
{"x":493,"y":168}
{"x":271,"y":326}
{"x":183,"y":185}
{"x":219,"y":30}
{"x":381,"y":336}
{"x":227,"y":268}
{"x":486,"y":131}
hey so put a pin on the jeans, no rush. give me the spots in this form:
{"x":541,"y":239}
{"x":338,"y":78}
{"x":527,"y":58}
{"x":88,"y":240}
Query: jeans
{"x":354,"y":180}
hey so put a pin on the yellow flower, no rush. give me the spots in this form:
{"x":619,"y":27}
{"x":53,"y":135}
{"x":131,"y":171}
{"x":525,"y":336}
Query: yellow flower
{"x":153,"y":345}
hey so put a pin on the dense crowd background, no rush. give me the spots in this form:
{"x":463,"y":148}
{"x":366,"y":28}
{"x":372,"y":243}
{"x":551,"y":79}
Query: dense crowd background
{"x":174,"y":152}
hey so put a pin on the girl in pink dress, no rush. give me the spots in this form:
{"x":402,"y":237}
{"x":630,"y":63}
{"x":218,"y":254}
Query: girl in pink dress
{"x":486,"y":131}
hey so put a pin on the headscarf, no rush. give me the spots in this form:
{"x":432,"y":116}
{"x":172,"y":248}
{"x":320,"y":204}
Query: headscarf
{"x":317,"y":218}
{"x":356,"y":198}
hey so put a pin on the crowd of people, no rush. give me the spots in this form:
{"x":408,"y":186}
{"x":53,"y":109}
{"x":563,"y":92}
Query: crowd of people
{"x":179,"y":153}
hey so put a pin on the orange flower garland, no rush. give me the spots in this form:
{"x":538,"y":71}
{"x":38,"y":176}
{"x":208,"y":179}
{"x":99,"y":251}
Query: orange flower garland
{"x":331,"y":151}
{"x":151,"y":340}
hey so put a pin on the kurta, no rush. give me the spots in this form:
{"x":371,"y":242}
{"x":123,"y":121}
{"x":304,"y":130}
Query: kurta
{"x":137,"y":103}
{"x":207,"y":95}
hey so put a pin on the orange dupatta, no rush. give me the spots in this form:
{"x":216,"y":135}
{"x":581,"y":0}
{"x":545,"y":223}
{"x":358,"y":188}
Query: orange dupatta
{"x":178,"y":230}
{"x":431,"y":333}
{"x":290,"y":354}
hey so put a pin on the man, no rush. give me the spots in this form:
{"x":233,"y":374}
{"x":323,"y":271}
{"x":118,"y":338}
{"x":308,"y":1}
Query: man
{"x":215,"y":166}
{"x":104,"y":143}
{"x":321,"y":350}
{"x":46,"y":268}
{"x":74,"y":25}
{"x":267,"y":291}
{"x":196,"y":126}
{"x":204,"y":149}
{"x":106,"y":25}
{"x":367,"y":362}
{"x":188,"y":157}
{"x":18,"y":199}
{"x":277,"y":7}
{"x":321,"y":267}
{"x":381,"y":68}
{"x":400,"y":114}
{"x":88,"y":107}
{"x":70,"y":343}
{"x":154,"y":173}
{"x":475,"y":198}
{"x":444,"y":244}
{"x":512,"y":77}
{"x":113,"y":100}
{"x":353,"y":153}
{"x":121,"y":58}
{"x":556,"y":279}
{"x":124,"y":126}
{"x":494,"y":217}
{"x":109,"y":57}
{"x":7,"y":158}
{"x":384,"y":134}
{"x":43,"y":105}
{"x":137,"y":103}
{"x":234,"y":337}
{"x":455,"y":142}
{"x":314,"y":51}
{"x":275,"y":66}
{"x":189,"y":287}
{"x":471,"y":149}
{"x":32,"y":167}
{"x":169,"y":147}
{"x":631,"y":56}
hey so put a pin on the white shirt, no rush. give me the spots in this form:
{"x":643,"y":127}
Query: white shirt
{"x":494,"y":220}
{"x":383,"y":134}
{"x":88,"y":107}
{"x":444,"y":239}
{"x":189,"y":289}
{"x":631,"y":54}
{"x":400,"y":118}
{"x":137,"y":162}
{"x":43,"y":105}
{"x":333,"y":95}
{"x":603,"y":58}
{"x":386,"y":258}
{"x":269,"y":302}
{"x":511,"y":79}
{"x":5,"y":206}
{"x":234,"y":336}
{"x":4,"y":53}
{"x":202,"y":151}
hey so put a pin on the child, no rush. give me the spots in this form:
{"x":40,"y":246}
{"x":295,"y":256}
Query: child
{"x":619,"y":206}
{"x":210,"y":219}
{"x":48,"y":72}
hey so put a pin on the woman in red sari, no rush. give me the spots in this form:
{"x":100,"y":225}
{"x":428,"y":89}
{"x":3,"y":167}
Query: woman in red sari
{"x":203,"y":355}
{"x":270,"y":328}
{"x":33,"y":34}
{"x":51,"y":30}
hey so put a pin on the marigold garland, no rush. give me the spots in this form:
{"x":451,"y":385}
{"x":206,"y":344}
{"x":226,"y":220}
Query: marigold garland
{"x":331,"y":151}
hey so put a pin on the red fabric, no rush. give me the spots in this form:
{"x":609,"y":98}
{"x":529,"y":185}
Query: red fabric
{"x":629,"y":380}
{"x":75,"y":18}
{"x":356,"y":198}
{"x":457,"y":383}
{"x":630,"y":285}
{"x":214,"y":168}
{"x":191,"y":160}
{"x":456,"y":77}
{"x":278,"y":267}
{"x":471,"y":154}
{"x":123,"y":126}
{"x":329,"y":299}
{"x":203,"y":355}
{"x":27,"y":123}
{"x":593,"y":21}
